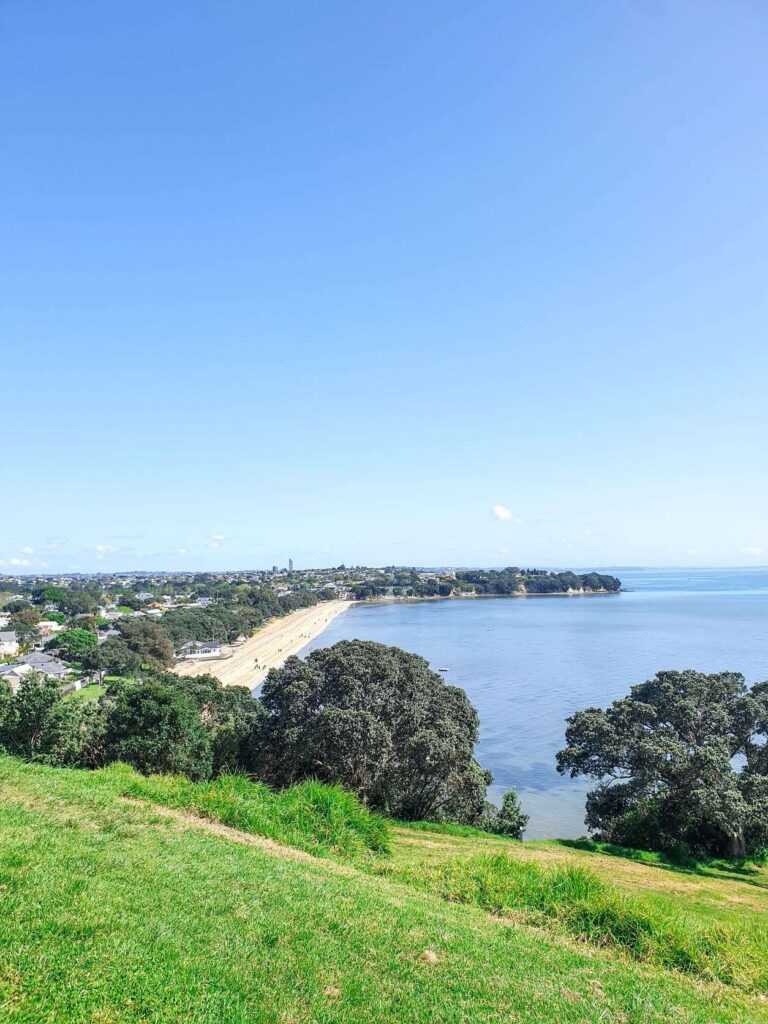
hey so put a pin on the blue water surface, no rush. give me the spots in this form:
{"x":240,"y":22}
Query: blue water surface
{"x":527,"y":663}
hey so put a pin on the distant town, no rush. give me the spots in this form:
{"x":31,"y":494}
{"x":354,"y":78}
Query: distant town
{"x":83,"y":629}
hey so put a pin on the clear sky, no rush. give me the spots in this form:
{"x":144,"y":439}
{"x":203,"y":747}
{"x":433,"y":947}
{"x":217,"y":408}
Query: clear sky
{"x":335,"y":280}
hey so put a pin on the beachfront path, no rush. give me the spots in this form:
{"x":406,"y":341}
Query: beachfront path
{"x":268,"y":647}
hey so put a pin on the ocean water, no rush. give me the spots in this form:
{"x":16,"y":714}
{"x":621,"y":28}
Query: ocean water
{"x":527,"y":663}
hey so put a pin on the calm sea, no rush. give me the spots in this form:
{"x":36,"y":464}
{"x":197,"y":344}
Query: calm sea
{"x":527,"y":663}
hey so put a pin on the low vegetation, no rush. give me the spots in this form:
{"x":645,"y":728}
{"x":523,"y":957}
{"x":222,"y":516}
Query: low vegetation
{"x":594,"y":911}
{"x":112,"y":910}
{"x":310,"y":816}
{"x":327,"y":821}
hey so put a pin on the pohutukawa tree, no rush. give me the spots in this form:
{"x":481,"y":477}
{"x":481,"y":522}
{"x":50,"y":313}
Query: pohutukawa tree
{"x":682,"y":764}
{"x":379,"y":721}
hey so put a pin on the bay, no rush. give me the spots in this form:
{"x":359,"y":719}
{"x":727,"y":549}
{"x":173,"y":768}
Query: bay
{"x":527,"y":663}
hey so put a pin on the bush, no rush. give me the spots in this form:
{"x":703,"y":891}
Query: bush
{"x":509,"y":820}
{"x":155,"y":727}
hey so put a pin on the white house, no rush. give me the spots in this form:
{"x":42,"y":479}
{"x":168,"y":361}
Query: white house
{"x":9,"y":643}
{"x":200,"y":649}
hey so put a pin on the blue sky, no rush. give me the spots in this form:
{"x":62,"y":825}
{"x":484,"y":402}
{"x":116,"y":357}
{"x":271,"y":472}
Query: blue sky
{"x":332,"y":281}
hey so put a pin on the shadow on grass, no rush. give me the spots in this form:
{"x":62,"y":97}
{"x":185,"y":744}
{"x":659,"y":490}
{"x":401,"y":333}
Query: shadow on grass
{"x":744,"y":870}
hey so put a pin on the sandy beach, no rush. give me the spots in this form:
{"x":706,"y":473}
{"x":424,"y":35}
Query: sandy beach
{"x":268,"y":648}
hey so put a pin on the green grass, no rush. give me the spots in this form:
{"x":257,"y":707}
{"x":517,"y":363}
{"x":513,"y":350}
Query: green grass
{"x":113,"y":913}
{"x":328,"y":821}
{"x":90,"y":694}
{"x":320,"y":819}
{"x":594,"y":911}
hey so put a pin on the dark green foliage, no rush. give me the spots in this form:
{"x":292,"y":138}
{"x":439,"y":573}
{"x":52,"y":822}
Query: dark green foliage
{"x":26,"y":716}
{"x":49,"y":594}
{"x":74,"y":644}
{"x":666,"y":753}
{"x":367,"y":591}
{"x":377,"y":720}
{"x":509,"y":819}
{"x":148,"y":640}
{"x":114,"y":658}
{"x":230,"y":716}
{"x":162,"y":723}
{"x":39,"y":725}
{"x":155,"y":728}
{"x":213,"y":623}
{"x":77,"y":602}
{"x":535,"y":581}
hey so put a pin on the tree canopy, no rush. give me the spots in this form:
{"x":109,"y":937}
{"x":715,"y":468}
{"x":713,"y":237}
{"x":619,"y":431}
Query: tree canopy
{"x":156,"y":728}
{"x":379,"y":721}
{"x":148,"y":640}
{"x":74,"y":644}
{"x":682,"y":764}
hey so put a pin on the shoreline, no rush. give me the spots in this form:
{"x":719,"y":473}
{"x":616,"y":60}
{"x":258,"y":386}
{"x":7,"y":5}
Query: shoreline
{"x":483,"y":597}
{"x":268,"y":648}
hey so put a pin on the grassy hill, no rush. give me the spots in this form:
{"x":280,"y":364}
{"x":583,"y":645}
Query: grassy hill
{"x":124,"y":899}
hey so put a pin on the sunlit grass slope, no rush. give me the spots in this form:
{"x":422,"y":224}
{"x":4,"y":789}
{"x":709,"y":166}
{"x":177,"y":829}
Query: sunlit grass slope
{"x":116,"y":909}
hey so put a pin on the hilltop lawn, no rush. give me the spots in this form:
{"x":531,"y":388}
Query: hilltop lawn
{"x":114,"y":909}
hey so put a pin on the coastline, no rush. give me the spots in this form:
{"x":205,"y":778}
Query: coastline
{"x":268,"y":648}
{"x":483,"y":597}
{"x":248,"y":664}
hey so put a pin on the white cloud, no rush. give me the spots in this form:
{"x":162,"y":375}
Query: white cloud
{"x":102,"y":550}
{"x":27,"y":550}
{"x":182,"y":551}
{"x":216,"y":540}
{"x":505,"y":515}
{"x":19,"y":561}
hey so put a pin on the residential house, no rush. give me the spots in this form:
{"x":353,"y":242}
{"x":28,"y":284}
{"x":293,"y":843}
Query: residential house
{"x":12,"y":675}
{"x":107,"y":634}
{"x":9,"y":643}
{"x":47,"y":664}
{"x":49,"y":627}
{"x":200,"y":649}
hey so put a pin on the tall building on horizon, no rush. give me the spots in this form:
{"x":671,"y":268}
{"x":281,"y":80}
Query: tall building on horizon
{"x":290,"y":565}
